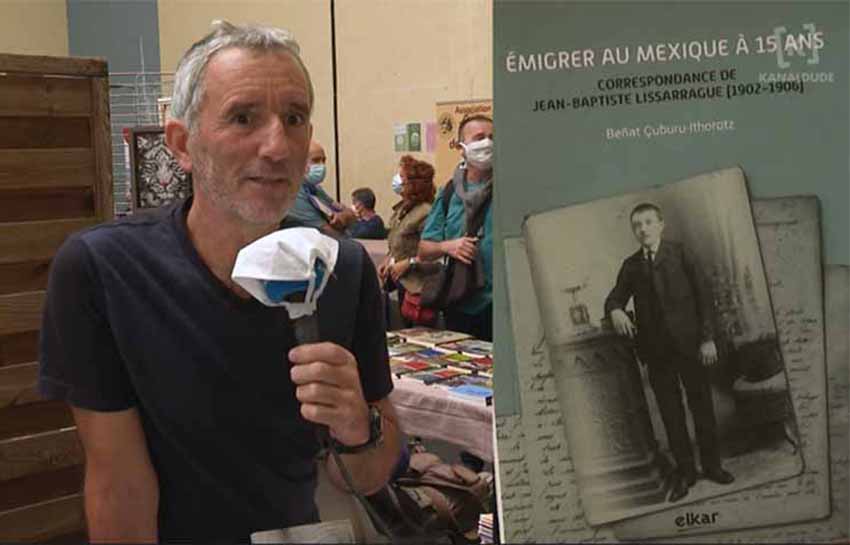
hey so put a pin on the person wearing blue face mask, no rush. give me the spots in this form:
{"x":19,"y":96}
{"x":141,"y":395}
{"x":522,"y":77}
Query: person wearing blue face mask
{"x":313,"y":206}
{"x":369,"y":224}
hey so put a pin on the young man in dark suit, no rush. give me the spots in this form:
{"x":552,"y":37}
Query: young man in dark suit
{"x":675,"y":340}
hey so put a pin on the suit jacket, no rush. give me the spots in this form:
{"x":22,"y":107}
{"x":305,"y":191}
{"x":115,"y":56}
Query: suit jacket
{"x":684,"y":298}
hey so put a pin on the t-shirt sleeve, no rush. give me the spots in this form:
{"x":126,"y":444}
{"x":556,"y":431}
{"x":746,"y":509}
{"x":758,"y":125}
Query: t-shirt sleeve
{"x":370,"y":338}
{"x":79,"y":361}
{"x":435,"y":223}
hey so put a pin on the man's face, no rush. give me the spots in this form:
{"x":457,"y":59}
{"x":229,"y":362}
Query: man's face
{"x":316,"y":156}
{"x":647,"y":227}
{"x":358,"y":208}
{"x":477,"y":130}
{"x":249,"y":147}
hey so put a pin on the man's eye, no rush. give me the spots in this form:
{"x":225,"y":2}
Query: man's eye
{"x":242,"y":119}
{"x":296,"y":119}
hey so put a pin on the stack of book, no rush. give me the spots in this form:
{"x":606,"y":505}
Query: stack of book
{"x":446,"y":359}
{"x":485,"y":528}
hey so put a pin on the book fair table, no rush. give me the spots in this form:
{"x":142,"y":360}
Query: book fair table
{"x":434,"y":413}
{"x":442,"y":387}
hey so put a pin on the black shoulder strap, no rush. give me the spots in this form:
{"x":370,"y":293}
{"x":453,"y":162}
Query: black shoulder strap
{"x":448,"y":192}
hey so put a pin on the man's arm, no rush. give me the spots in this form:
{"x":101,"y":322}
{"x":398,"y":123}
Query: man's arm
{"x":372,"y":468}
{"x":616,"y":302}
{"x":705,"y":307}
{"x":121,"y":488}
{"x":463,"y":249}
{"x":702,"y":294}
{"x":79,"y":363}
{"x":433,"y":244}
{"x":328,"y":386}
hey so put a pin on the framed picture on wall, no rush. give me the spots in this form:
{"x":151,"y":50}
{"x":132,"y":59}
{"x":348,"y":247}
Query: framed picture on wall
{"x":155,"y":177}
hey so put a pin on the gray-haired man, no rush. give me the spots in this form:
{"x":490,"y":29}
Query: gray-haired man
{"x":195,"y":408}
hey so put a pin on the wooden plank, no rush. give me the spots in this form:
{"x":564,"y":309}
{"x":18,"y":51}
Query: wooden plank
{"x":34,"y":418}
{"x":36,"y":240}
{"x":68,"y":66}
{"x":101,"y":143}
{"x":46,"y":203}
{"x":31,"y":168}
{"x":23,"y":456}
{"x":23,"y":276}
{"x":44,"y":521}
{"x":78,"y":537}
{"x":39,"y":95}
{"x":40,"y":487}
{"x":21,"y":311}
{"x":18,"y":348}
{"x":44,"y":132}
{"x":18,"y":386}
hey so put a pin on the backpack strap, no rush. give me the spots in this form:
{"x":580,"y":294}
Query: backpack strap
{"x":447,"y":194}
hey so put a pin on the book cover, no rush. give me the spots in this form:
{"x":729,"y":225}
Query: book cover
{"x":473,"y":392}
{"x":433,"y":376}
{"x":470,"y":347}
{"x":400,"y":366}
{"x":598,"y":99}
{"x":430,"y":337}
{"x":402,"y":348}
{"x":468,"y":379}
{"x":478,"y":366}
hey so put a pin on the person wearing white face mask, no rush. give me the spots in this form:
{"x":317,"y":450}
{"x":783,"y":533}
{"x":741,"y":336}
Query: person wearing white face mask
{"x":313,"y":206}
{"x":398,"y":183}
{"x":460,"y":226}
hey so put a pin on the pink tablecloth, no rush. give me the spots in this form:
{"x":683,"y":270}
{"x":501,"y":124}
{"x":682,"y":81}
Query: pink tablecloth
{"x":377,"y":249}
{"x":433,"y":413}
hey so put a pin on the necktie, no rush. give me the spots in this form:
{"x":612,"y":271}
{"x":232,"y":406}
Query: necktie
{"x":650,"y":276}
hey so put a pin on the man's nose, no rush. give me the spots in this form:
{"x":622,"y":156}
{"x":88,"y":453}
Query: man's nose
{"x":274,"y":145}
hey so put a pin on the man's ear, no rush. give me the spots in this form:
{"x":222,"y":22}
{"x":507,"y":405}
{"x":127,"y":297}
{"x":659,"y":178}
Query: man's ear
{"x":309,"y":141}
{"x":177,"y":140}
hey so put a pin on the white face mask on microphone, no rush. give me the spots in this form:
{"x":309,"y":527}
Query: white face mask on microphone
{"x":479,"y":153}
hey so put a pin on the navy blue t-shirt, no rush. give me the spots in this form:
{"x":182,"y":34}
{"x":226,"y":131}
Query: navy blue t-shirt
{"x":372,"y":228}
{"x":134,"y":318}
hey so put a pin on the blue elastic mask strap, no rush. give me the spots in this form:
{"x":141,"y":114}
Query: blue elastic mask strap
{"x":277,"y":290}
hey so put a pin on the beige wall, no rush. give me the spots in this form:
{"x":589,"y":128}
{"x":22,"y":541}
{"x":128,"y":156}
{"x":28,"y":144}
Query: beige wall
{"x":34,"y":27}
{"x":396,"y":59}
{"x":182,"y":22}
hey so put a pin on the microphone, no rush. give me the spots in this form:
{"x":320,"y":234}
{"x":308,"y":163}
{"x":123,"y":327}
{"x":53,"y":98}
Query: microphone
{"x":291,"y":268}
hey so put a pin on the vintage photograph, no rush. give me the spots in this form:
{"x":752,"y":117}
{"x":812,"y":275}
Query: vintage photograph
{"x":660,"y":331}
